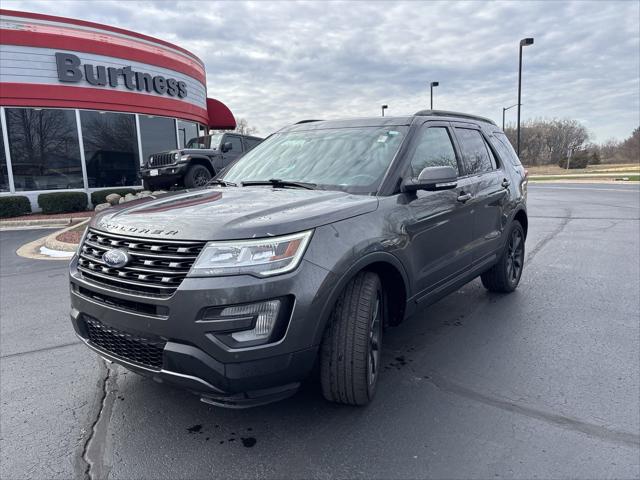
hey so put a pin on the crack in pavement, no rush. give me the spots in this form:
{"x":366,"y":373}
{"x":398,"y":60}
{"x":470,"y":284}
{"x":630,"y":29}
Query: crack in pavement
{"x":91,"y":462}
{"x":561,"y":226}
{"x":571,"y":423}
{"x":37,"y":350}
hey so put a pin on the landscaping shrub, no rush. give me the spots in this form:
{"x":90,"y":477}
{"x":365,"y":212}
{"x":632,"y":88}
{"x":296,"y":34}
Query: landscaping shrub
{"x":100,"y":196}
{"x":579,"y":159}
{"x":63,"y":202}
{"x":14,"y":206}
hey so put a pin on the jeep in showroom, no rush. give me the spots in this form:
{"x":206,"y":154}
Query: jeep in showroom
{"x":200,"y":160}
{"x":301,"y":254}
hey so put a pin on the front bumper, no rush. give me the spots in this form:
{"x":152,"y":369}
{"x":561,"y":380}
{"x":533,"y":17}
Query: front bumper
{"x":195,"y":359}
{"x":176,"y":170}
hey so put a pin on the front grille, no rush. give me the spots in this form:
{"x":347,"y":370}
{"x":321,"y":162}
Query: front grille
{"x":160,"y":159}
{"x":142,"y":351}
{"x":128,"y":305}
{"x":156,"y":268}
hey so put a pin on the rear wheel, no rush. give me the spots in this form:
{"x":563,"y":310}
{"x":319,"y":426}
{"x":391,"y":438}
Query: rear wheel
{"x":197,"y":176}
{"x":351,"y":347}
{"x":505,"y":275}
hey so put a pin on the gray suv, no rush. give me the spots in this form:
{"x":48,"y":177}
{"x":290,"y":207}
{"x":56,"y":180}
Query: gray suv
{"x":301,"y":254}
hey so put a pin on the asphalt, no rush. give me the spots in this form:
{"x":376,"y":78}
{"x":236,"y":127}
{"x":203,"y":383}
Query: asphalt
{"x":542,"y":383}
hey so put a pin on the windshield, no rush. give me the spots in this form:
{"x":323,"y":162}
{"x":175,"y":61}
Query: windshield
{"x":352,"y":159}
{"x":209,"y":141}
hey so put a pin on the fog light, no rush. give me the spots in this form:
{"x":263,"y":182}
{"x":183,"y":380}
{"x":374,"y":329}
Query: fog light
{"x":266,"y":314}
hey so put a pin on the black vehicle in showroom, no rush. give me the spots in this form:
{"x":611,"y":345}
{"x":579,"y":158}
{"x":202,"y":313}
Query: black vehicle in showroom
{"x":300,"y":254}
{"x":193,"y":166}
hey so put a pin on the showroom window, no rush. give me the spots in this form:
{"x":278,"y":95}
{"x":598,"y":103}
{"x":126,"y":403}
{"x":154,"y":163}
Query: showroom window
{"x":157,"y":134}
{"x":45,"y":152}
{"x":187,"y":131}
{"x":110,"y":148}
{"x":4,"y":174}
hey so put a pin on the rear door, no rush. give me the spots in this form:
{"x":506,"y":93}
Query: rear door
{"x":441,"y":227}
{"x":488,"y":186}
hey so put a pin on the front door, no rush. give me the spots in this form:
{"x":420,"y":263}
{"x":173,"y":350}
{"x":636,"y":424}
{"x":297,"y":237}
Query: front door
{"x":441,"y":225}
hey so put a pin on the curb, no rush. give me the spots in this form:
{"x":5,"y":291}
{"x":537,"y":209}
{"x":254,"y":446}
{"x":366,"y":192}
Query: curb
{"x":51,"y":243}
{"x":42,"y":222}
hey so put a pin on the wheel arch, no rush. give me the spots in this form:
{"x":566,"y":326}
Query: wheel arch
{"x":394,"y":280}
{"x":521,"y":216}
{"x":205,"y":162}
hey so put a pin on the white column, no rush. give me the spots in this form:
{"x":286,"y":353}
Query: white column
{"x":85,"y":179}
{"x":5,"y":140}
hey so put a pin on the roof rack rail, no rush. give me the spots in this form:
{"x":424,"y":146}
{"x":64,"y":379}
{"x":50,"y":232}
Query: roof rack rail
{"x":444,"y":113}
{"x":307,"y":121}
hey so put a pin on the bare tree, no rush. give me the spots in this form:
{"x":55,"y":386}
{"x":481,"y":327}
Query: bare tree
{"x":243,"y":128}
{"x":548,"y":141}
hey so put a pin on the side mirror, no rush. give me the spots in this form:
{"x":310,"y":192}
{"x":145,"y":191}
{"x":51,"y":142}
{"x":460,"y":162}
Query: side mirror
{"x":432,"y":179}
{"x":226,"y":147}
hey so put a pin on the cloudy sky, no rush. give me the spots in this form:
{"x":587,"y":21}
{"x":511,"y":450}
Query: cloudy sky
{"x":274,"y":63}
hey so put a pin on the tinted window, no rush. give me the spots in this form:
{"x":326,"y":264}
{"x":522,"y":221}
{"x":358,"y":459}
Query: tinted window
{"x":110,"y":148}
{"x":474,"y":151}
{"x":186,"y":131}
{"x":434,"y":150}
{"x":157,"y":134}
{"x":505,"y":149}
{"x":236,"y":143}
{"x":45,"y":152}
{"x":4,"y":175}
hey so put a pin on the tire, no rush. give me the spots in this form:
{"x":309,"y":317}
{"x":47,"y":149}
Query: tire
{"x":350,"y":354}
{"x":505,"y":275}
{"x":197,"y":176}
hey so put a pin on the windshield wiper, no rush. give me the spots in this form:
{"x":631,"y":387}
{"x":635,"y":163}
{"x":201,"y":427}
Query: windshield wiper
{"x":222,"y":183}
{"x":276,"y":183}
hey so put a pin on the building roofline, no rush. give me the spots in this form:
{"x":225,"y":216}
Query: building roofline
{"x":101,"y":26}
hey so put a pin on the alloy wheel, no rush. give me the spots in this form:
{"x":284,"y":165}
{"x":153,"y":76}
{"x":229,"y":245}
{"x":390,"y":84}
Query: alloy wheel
{"x":515,"y":256}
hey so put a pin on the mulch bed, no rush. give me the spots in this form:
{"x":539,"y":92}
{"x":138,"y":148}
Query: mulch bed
{"x":72,"y":236}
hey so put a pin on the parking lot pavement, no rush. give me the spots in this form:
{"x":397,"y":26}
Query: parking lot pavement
{"x":541,"y":383}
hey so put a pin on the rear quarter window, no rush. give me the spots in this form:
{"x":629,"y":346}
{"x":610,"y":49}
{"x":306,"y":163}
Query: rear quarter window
{"x":506,"y":152}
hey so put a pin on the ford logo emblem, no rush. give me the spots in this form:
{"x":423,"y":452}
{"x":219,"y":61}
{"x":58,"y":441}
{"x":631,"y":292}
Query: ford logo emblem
{"x":115,"y":258}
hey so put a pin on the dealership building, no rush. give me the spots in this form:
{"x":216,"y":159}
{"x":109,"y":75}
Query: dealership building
{"x":83,"y":104}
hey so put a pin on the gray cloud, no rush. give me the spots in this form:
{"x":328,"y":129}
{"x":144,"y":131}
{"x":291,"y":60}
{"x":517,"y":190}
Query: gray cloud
{"x":277,"y":62}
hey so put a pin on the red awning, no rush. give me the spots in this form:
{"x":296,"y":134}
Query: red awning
{"x":220,"y":117}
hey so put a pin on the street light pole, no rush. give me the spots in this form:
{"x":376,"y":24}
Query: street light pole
{"x":523,"y":43}
{"x":504,"y":109}
{"x":433,"y":84}
{"x":384,"y":107}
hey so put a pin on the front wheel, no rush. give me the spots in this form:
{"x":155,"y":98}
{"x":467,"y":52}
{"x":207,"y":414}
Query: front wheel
{"x":351,"y":347}
{"x":197,"y":176}
{"x":505,"y":275}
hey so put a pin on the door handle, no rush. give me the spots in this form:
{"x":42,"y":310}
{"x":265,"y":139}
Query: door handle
{"x":464,"y":197}
{"x":506,"y":183}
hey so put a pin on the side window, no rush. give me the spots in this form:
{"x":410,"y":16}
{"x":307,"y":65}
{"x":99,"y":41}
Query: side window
{"x":504,"y":148}
{"x":434,"y":150}
{"x":236,"y":143}
{"x":475,"y":153}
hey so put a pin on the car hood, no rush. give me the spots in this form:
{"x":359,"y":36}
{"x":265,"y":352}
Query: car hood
{"x":229,"y":213}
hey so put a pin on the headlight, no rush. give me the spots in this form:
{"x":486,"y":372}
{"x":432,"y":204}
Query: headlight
{"x":261,"y":257}
{"x":176,"y":156}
